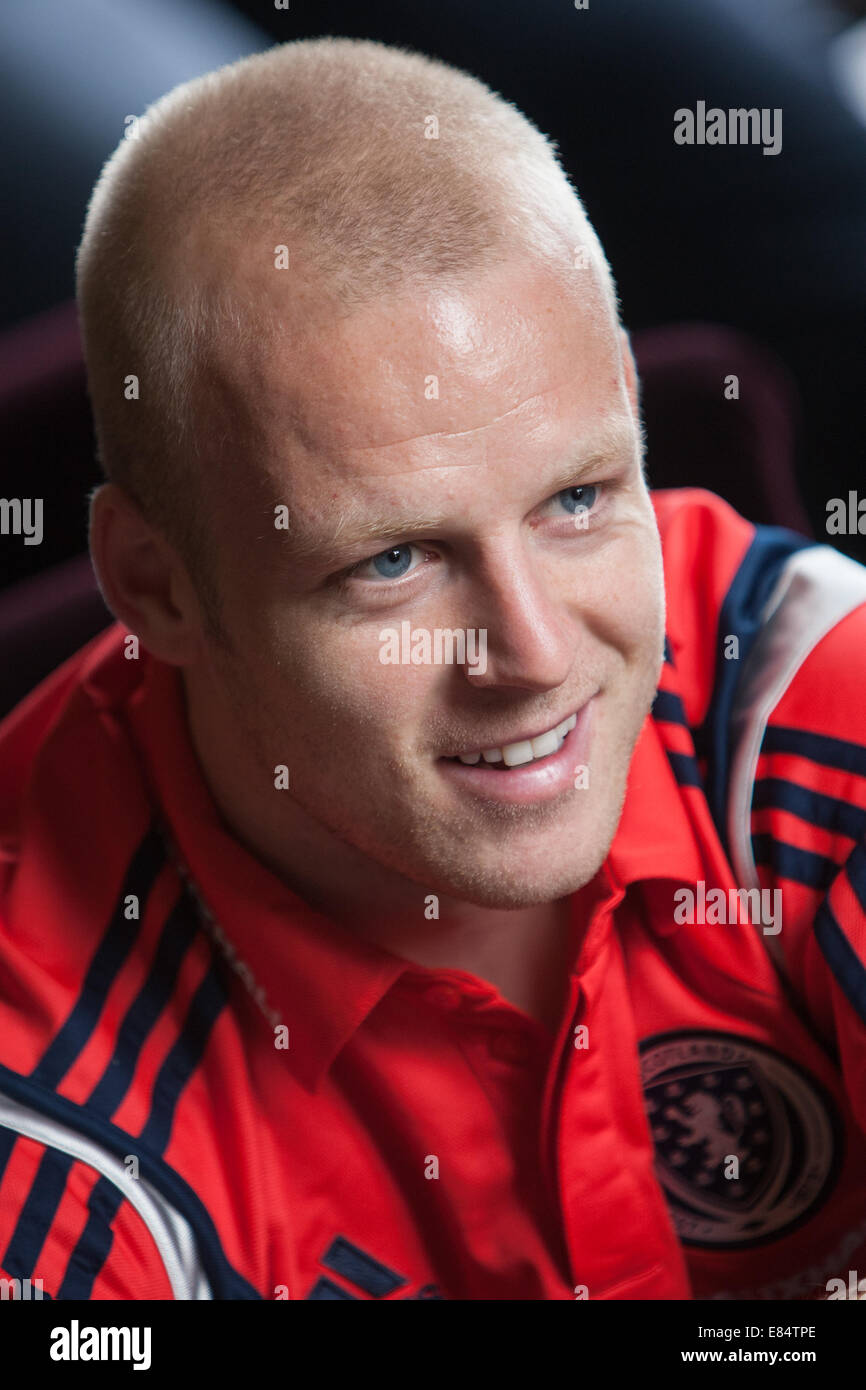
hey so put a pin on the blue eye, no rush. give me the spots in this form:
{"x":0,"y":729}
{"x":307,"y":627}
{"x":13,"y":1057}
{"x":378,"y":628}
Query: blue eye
{"x":575,"y":498}
{"x":393,"y":563}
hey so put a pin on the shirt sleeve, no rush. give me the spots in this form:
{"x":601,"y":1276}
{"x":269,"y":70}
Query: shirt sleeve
{"x":66,"y":1232}
{"x":808,"y":835}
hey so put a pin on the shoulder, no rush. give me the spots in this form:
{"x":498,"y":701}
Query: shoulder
{"x":723,"y":577}
{"x":796,"y":725}
{"x":767,"y":632}
{"x":763,"y":626}
{"x":47,"y":725}
{"x":80,"y":863}
{"x":76,"y":1222}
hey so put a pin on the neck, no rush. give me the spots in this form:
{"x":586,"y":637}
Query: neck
{"x":524,"y":952}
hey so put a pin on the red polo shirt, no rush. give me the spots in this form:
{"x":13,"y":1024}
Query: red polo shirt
{"x":694,"y":1130}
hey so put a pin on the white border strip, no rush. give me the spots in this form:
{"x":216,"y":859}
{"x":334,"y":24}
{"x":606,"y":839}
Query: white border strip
{"x":817,"y":588}
{"x":171,"y":1232}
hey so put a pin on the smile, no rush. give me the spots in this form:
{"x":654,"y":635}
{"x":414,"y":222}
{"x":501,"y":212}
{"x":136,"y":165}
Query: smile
{"x":539,"y":767}
{"x":525,"y":750}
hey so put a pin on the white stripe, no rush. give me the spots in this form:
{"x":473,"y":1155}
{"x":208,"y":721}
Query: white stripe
{"x":816,"y":589}
{"x":172,"y":1233}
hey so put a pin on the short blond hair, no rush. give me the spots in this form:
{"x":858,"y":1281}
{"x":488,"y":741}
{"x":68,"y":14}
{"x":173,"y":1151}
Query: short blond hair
{"x":323,"y":146}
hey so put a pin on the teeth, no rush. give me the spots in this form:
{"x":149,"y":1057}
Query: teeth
{"x":545,"y":743}
{"x":516,"y":754}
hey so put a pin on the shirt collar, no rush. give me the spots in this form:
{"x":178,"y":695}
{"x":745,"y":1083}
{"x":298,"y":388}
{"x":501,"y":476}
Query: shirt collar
{"x":318,"y":978}
{"x":656,"y":837}
{"x":307,"y":972}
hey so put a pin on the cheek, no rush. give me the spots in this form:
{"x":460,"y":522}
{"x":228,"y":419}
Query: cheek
{"x":331,"y":684}
{"x":624,"y":605}
{"x":644,"y":598}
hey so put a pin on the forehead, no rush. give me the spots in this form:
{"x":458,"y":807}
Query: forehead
{"x":515,"y":368}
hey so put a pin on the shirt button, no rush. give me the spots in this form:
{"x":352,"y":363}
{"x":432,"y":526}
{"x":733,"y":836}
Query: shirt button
{"x":443,"y":996}
{"x":509,"y":1047}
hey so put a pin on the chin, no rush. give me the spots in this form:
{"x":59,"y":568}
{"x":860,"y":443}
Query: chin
{"x":514,"y":892}
{"x":504,"y":897}
{"x":508,"y":883}
{"x":514,"y":864}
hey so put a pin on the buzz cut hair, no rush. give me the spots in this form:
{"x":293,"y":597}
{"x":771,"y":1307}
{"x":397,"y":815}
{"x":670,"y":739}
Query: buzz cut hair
{"x":377,"y":169}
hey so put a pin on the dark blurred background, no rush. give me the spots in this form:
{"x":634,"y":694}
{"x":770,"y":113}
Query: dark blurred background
{"x":728,"y":261}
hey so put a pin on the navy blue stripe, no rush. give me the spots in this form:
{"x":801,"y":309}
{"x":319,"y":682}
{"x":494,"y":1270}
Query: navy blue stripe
{"x":358,"y":1268}
{"x":225,"y":1281}
{"x":35,"y":1218}
{"x":327,"y":1290}
{"x":7,"y":1144}
{"x":178,"y":933}
{"x":818,"y":748}
{"x":669,"y":652}
{"x":112,"y":952}
{"x":740,"y":617}
{"x":701,"y":743}
{"x":668,"y":707}
{"x":39,"y":1210}
{"x":855,"y":870}
{"x":791,"y":862}
{"x":826,"y":812}
{"x":841,"y":957}
{"x":685,"y":769}
{"x":94,"y":1243}
{"x":209,"y":1001}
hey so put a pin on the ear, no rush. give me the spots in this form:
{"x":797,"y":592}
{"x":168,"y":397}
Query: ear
{"x":142,"y":578}
{"x":631,"y":377}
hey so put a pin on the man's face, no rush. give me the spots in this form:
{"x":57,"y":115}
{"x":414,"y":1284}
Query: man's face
{"x":428,"y":450}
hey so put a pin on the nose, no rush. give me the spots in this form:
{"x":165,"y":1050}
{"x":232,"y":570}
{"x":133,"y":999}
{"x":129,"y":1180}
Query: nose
{"x":530,"y":643}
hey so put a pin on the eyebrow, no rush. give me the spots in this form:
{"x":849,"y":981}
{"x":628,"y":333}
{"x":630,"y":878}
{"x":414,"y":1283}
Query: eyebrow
{"x":352,"y":530}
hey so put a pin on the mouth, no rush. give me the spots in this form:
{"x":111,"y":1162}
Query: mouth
{"x":521,"y":751}
{"x":538,"y":767}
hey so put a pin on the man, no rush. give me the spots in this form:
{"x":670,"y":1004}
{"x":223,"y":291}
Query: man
{"x":372,"y":927}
